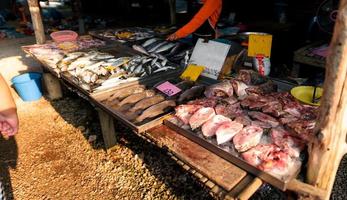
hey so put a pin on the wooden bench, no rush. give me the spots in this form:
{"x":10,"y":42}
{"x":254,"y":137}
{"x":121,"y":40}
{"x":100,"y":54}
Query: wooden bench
{"x":225,"y":180}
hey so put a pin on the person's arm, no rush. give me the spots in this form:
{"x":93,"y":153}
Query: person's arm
{"x":204,"y":13}
{"x":8,"y":110}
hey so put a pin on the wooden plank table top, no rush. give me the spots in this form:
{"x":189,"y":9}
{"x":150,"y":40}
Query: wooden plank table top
{"x":207,"y":163}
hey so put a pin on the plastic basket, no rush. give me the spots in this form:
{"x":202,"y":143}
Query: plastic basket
{"x":64,"y":36}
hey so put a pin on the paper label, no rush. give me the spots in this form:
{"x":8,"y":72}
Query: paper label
{"x":212,"y":55}
{"x":259,"y":45}
{"x":192,"y":72}
{"x":168,"y":88}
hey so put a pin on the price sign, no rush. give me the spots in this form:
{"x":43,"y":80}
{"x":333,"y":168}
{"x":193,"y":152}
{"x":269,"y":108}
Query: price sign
{"x":211,"y":55}
{"x":192,"y":72}
{"x":168,"y":88}
{"x":259,"y":45}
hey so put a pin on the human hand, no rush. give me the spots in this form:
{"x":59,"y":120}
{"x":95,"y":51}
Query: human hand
{"x":9,"y":124}
{"x":172,"y":37}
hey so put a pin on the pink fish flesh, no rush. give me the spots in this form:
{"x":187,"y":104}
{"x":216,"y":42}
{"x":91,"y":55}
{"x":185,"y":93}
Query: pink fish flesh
{"x":227,"y":130}
{"x":264,"y":118}
{"x":247,"y":138}
{"x":209,"y":128}
{"x":200,"y":117}
{"x":223,"y":89}
{"x":184,"y":112}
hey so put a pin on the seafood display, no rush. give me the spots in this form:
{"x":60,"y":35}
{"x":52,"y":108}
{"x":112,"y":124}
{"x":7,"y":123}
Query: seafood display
{"x":51,"y":54}
{"x":174,"y":51}
{"x":266,"y":129}
{"x":126,"y":34}
{"x":140,"y":104}
{"x":95,"y":71}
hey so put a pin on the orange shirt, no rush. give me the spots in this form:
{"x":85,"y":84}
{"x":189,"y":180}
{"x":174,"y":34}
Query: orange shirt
{"x":209,"y":11}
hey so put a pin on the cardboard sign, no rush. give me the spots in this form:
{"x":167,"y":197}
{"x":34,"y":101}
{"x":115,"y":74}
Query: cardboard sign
{"x":168,"y":88}
{"x":211,"y":55}
{"x":259,"y":45}
{"x":192,"y":72}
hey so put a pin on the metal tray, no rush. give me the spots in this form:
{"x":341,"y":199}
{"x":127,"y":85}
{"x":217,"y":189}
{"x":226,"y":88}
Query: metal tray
{"x":279,"y":183}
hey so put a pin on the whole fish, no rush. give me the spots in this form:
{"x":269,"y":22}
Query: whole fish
{"x":140,"y":49}
{"x":156,"y":110}
{"x":147,"y":102}
{"x":125,"y":92}
{"x":137,"y":97}
{"x":148,"y":42}
{"x":175,"y":49}
{"x":154,"y":49}
{"x":153,"y":44}
{"x":164,"y":48}
{"x":191,"y":93}
{"x":185,"y":85}
{"x":163,"y":69}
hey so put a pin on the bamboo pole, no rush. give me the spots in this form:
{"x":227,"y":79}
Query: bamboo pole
{"x":329,"y":146}
{"x":172,"y":4}
{"x":37,"y":21}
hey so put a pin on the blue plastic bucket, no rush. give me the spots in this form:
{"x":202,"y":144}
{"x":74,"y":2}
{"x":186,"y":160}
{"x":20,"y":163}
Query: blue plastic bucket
{"x":28,"y":86}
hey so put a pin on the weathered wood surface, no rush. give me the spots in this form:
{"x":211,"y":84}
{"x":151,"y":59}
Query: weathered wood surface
{"x":305,"y":189}
{"x":205,"y":162}
{"x":37,"y":21}
{"x":52,"y":86}
{"x":107,"y":128}
{"x":329,"y":146}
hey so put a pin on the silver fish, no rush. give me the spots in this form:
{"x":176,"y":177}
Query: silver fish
{"x":140,"y":49}
{"x":165,"y":48}
{"x":148,"y":42}
{"x":154,"y":49}
{"x":154,"y":61}
{"x":163,"y":69}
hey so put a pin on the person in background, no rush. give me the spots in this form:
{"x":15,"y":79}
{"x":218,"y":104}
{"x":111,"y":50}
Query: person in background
{"x":8,"y":111}
{"x":203,"y":23}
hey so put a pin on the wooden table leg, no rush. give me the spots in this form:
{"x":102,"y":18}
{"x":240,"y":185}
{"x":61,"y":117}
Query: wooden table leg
{"x":52,"y":86}
{"x":108,"y":130}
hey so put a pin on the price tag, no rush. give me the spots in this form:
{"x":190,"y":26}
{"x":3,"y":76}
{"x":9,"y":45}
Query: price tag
{"x":259,"y":45}
{"x":168,"y":88}
{"x":192,"y":72}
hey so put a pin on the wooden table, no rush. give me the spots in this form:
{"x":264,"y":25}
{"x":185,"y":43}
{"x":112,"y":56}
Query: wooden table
{"x":225,"y":180}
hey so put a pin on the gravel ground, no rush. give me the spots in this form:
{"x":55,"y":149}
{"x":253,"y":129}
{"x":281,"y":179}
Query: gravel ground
{"x":51,"y":158}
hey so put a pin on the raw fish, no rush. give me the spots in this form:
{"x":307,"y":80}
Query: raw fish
{"x":223,"y":89}
{"x":200,"y":117}
{"x":209,"y":128}
{"x":227,"y":130}
{"x":137,"y":97}
{"x":184,"y":112}
{"x":247,"y":138}
{"x":156,"y":110}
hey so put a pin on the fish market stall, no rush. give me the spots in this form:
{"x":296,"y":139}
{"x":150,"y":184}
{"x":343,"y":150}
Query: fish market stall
{"x":256,"y":128}
{"x":147,"y":104}
{"x":126,"y":36}
{"x":49,"y":54}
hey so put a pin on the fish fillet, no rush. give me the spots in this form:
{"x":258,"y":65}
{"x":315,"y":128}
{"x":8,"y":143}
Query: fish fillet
{"x":247,"y":138}
{"x":137,"y":97}
{"x":227,"y":130}
{"x":209,"y":128}
{"x":200,"y":117}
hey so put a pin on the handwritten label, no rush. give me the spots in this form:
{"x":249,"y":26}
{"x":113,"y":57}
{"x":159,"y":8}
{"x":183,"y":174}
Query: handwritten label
{"x":168,"y":88}
{"x":259,"y":44}
{"x":192,"y":72}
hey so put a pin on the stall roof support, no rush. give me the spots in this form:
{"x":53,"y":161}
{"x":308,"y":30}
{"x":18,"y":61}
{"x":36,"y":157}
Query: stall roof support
{"x":37,"y":21}
{"x":329,"y":144}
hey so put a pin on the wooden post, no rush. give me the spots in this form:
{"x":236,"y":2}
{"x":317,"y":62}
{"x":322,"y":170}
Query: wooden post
{"x":52,"y":85}
{"x":107,"y":128}
{"x":172,"y":4}
{"x":37,"y":21}
{"x":329,"y":146}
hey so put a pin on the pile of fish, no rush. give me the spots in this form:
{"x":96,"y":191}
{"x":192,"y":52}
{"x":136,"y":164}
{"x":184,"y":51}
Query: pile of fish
{"x":140,"y":104}
{"x":96,"y":70}
{"x":174,"y":51}
{"x":127,"y":34}
{"x":51,"y":54}
{"x":267,"y":129}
